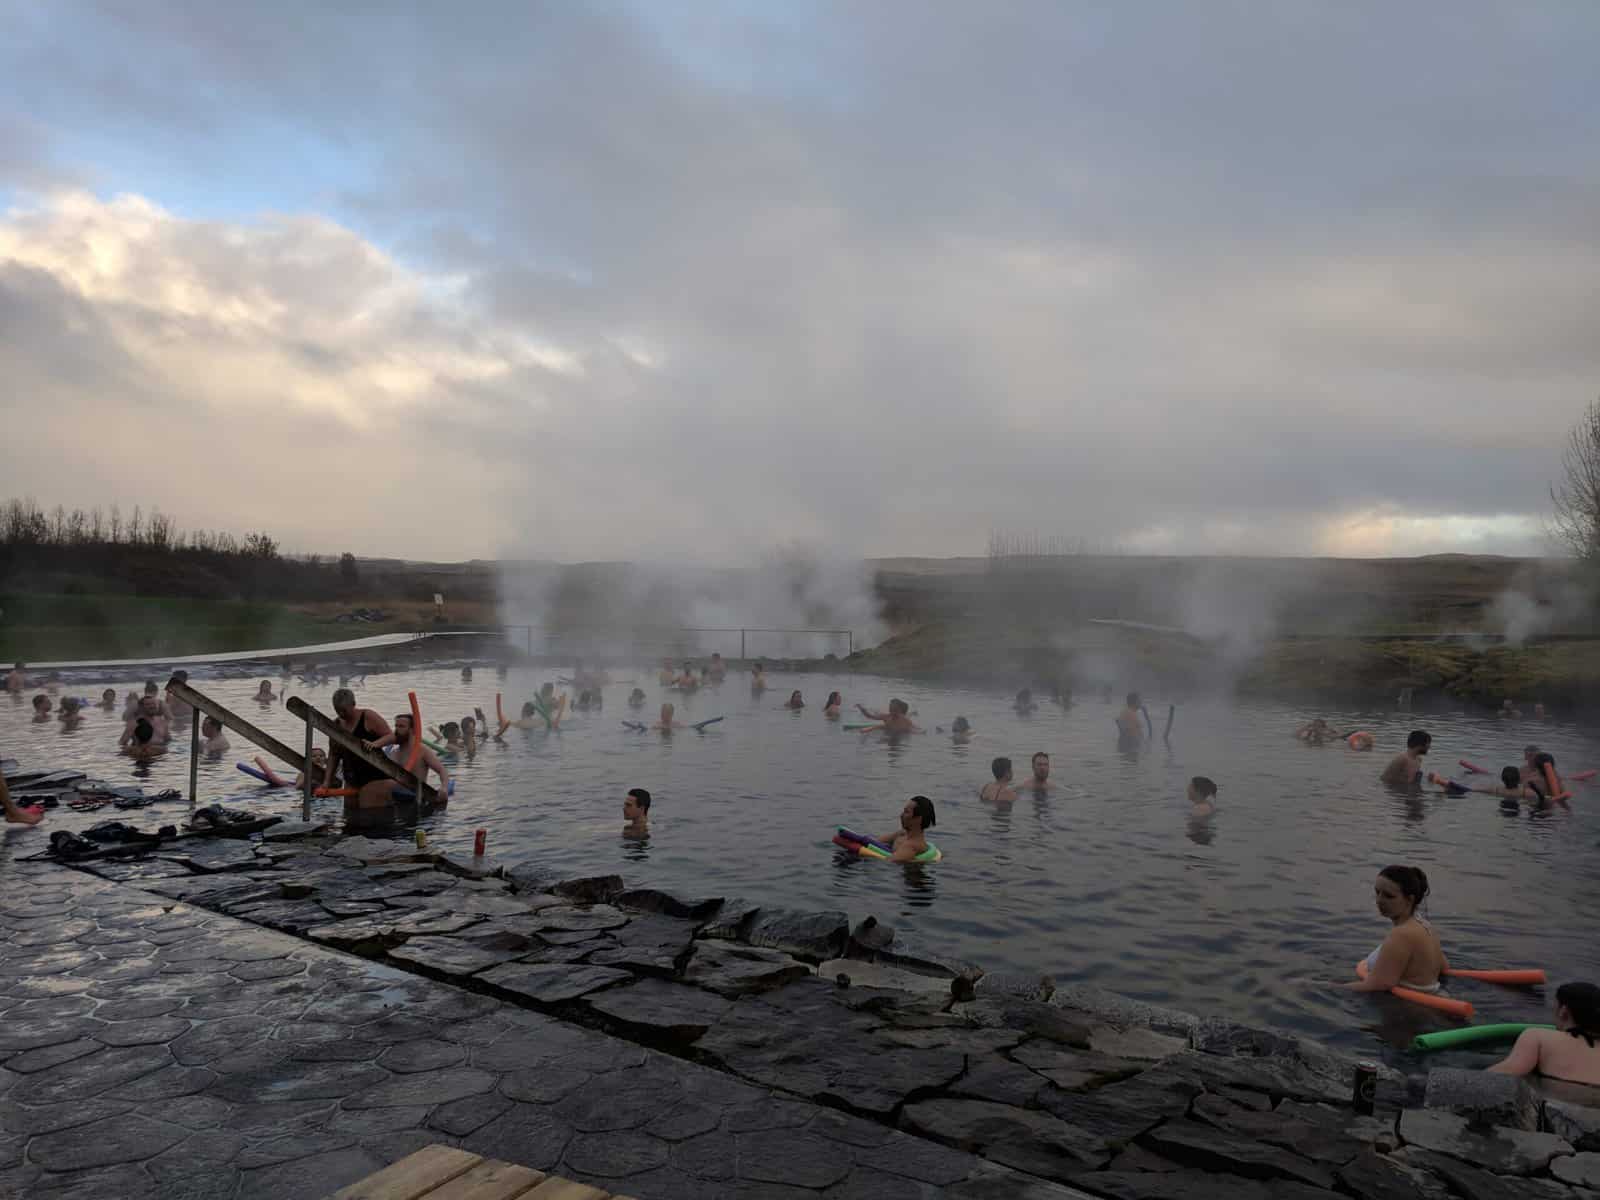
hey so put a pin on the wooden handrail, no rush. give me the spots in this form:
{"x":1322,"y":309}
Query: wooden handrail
{"x":338,"y":736}
{"x":200,"y":702}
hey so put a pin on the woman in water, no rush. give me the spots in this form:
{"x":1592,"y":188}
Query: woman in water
{"x":758,"y":679}
{"x":830,"y":710}
{"x":264,"y":693}
{"x":41,"y":709}
{"x":1568,"y":1051}
{"x":363,"y":723}
{"x":636,"y":698}
{"x":666,"y":724}
{"x":108,"y":699}
{"x":794,"y":701}
{"x":961,"y":731}
{"x":1410,"y":956}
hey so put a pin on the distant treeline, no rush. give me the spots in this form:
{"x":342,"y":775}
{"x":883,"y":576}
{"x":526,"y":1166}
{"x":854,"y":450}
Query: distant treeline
{"x":144,"y":552}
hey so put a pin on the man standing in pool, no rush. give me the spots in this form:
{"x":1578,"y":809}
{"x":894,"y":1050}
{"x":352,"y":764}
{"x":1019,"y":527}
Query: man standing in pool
{"x":636,"y":813}
{"x":1000,"y":791}
{"x":910,"y":840}
{"x":1405,"y":769}
{"x":1040,"y":780}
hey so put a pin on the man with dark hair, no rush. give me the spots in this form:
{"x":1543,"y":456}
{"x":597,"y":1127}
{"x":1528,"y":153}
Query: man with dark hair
{"x":1039,"y":781}
{"x":636,"y":813}
{"x":1202,"y":797}
{"x":910,"y":840}
{"x":1405,"y":769}
{"x":1000,"y":791}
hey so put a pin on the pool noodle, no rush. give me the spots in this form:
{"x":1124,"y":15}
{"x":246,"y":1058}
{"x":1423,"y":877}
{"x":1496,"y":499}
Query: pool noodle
{"x":416,"y":734}
{"x":1583,"y":776}
{"x":856,"y":728}
{"x":636,"y":726}
{"x":1557,"y":792}
{"x":1455,"y":1008}
{"x":257,"y":773}
{"x":699,"y":726}
{"x":1510,"y":978}
{"x":1472,"y":768}
{"x":852,"y":836}
{"x":1446,"y":1039}
{"x":399,"y":792}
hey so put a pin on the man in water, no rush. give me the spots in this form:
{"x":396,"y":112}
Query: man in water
{"x":1405,"y":770}
{"x":176,"y":709}
{"x":1128,"y":730}
{"x":718,"y":668}
{"x":378,"y":794}
{"x":896,"y":720}
{"x":636,"y":813}
{"x":1000,"y":791}
{"x":139,"y":743}
{"x":910,"y":839}
{"x":1202,"y":797}
{"x":212,"y":739}
{"x":1040,"y":780}
{"x":150,"y":714}
{"x":16,"y":680}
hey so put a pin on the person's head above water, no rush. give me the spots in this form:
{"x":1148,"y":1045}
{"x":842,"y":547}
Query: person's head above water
{"x":108,"y":697}
{"x":529,"y":708}
{"x":961,"y":725}
{"x":1133,"y":699}
{"x":149,"y":705}
{"x":899,"y":708}
{"x":1528,"y":753}
{"x":1025,"y":696}
{"x":1419,"y":740}
{"x":466,"y":674}
{"x":41,"y":703}
{"x":344,"y":702}
{"x":402,"y":725}
{"x":1001,"y":768}
{"x":263,"y":687}
{"x":917,"y":815}
{"x":636,"y":805}
{"x":794,"y":697}
{"x":210,"y":727}
{"x":667,"y":711}
{"x":834,"y":700}
{"x":150,"y":688}
{"x":1578,"y":1010}
{"x":1201,"y":788}
{"x":637,"y":695}
{"x":1400,"y":891}
{"x":1040,"y":762}
{"x":1511,"y":777}
{"x":143,"y":731}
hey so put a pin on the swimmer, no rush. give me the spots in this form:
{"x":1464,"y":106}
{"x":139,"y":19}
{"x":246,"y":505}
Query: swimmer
{"x":151,"y":691}
{"x":636,"y":698}
{"x":1508,"y":709}
{"x":552,"y":704}
{"x":130,"y":706}
{"x":212,"y":739}
{"x":1540,"y":779}
{"x":530,"y":719}
{"x":378,"y":794}
{"x":718,"y":669}
{"x":1024,"y":702}
{"x":319,"y":771}
{"x":466,"y":674}
{"x":15,"y":815}
{"x":1315,"y":733}
{"x":758,"y":679}
{"x":1410,"y":956}
{"x":16,"y":681}
{"x":1405,"y":769}
{"x":41,"y":709}
{"x":636,"y":813}
{"x":1538,"y":711}
{"x":910,"y":840}
{"x":1360,"y":740}
{"x":1128,"y":730}
{"x":1510,"y":786}
{"x":264,"y":693}
{"x":139,"y":743}
{"x":830,"y":710}
{"x":666,"y":724}
{"x":1569,"y":1050}
{"x":450,"y":734}
{"x":794,"y":701}
{"x":896,"y":720}
{"x":108,"y":699}
{"x":1202,"y":794}
{"x":666,"y":675}
{"x":149,"y":711}
{"x":176,"y":709}
{"x":961,"y":731}
{"x":469,"y":735}
{"x":584,"y":702}
{"x":363,"y":723}
{"x":1000,"y":791}
{"x":688,"y":681}
{"x":71,"y":715}
{"x":1039,"y":781}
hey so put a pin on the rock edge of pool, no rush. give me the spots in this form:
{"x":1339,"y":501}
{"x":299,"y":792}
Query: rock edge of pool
{"x":284,"y":1013}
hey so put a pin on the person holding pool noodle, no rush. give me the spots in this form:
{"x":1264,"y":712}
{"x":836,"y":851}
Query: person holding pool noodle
{"x":1410,"y":958}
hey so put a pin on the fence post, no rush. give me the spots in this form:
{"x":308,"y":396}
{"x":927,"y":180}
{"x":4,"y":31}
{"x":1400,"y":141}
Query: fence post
{"x":741,"y":645}
{"x":527,"y":638}
{"x":194,"y":754}
{"x":851,"y":633}
{"x":305,"y":803}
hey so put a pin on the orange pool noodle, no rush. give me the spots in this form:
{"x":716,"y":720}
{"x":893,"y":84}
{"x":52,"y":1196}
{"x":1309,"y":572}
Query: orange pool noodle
{"x":1456,"y":1008}
{"x":1514,"y":978}
{"x":324,"y":793}
{"x":1557,"y":792}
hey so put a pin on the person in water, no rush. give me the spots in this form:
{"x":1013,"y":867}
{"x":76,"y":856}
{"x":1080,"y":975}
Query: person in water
{"x":1508,"y":709}
{"x":71,"y":713}
{"x":961,"y":731}
{"x":41,"y":709}
{"x":897,"y":719}
{"x":130,"y":706}
{"x":17,"y":681}
{"x":636,"y":698}
{"x":466,"y":674}
{"x":1000,"y":791}
{"x":363,"y":723}
{"x":108,"y":699}
{"x":666,"y":675}
{"x":1360,"y":740}
{"x":469,"y":735}
{"x":176,"y":710}
{"x":1315,"y":733}
{"x":149,"y":713}
{"x":1543,"y":778}
{"x":718,"y":669}
{"x":553,"y":704}
{"x":530,"y":719}
{"x":1405,"y":769}
{"x":1039,"y":777}
{"x":1569,"y":1051}
{"x":1410,"y":956}
{"x":377,"y":795}
{"x":14,"y":813}
{"x":758,"y":678}
{"x":1024,"y":702}
{"x":1202,"y":793}
{"x":140,"y":743}
{"x":795,"y":701}
{"x":830,"y":710}
{"x":666,"y":724}
{"x":319,"y":771}
{"x":212,"y":739}
{"x":688,"y":681}
{"x":1510,"y":786}
{"x":636,"y":813}
{"x":1128,"y":728}
{"x":910,"y":840}
{"x":264,"y":694}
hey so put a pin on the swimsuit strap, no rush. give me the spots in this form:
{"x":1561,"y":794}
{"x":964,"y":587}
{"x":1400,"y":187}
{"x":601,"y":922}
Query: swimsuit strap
{"x":1584,"y":1034}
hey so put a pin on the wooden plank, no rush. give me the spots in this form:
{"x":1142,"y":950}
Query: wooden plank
{"x":490,"y":1180}
{"x":557,"y":1188}
{"x":337,"y":736}
{"x":413,"y":1176}
{"x":232,"y":720}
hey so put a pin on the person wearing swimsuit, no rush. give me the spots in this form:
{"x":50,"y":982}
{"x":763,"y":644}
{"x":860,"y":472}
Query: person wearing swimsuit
{"x":1410,"y":956}
{"x":1571,"y":1050}
{"x":364,"y":724}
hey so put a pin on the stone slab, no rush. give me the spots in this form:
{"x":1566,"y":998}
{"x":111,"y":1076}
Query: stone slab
{"x":1507,"y":1151}
{"x":658,"y":1010}
{"x":551,"y":983}
{"x":1026,"y":1139}
{"x":731,"y":969}
{"x":1483,"y":1097}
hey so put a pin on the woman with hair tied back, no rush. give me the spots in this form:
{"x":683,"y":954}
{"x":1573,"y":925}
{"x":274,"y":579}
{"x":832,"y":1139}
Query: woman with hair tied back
{"x":1410,"y":956}
{"x":1569,"y":1051}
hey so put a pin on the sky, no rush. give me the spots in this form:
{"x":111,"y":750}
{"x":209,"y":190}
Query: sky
{"x":689,"y":282}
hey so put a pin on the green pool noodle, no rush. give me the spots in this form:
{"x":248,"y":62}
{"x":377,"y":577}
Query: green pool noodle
{"x":1449,"y":1039}
{"x":872,"y":725}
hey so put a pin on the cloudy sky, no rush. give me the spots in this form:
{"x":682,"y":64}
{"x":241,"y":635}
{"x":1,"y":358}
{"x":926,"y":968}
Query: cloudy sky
{"x":689,"y":280}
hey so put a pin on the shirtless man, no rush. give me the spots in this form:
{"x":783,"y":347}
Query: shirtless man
{"x":1128,"y":729}
{"x":896,"y":720}
{"x":176,"y":709}
{"x":718,"y":669}
{"x":150,"y":714}
{"x":636,"y":813}
{"x":212,"y":739}
{"x":1040,"y":780}
{"x":1405,"y":769}
{"x":139,"y":742}
{"x":1000,"y":791}
{"x":71,"y":714}
{"x":758,"y":678}
{"x":16,"y":680}
{"x":910,"y":839}
{"x":153,"y":692}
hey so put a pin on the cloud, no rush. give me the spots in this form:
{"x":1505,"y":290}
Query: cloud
{"x":605,"y":282}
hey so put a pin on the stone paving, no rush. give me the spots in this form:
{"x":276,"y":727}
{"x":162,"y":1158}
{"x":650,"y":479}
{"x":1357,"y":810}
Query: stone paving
{"x":154,"y":1036}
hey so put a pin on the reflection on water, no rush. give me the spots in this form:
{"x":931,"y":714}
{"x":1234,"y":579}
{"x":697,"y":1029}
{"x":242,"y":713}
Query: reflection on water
{"x":1104,"y":877}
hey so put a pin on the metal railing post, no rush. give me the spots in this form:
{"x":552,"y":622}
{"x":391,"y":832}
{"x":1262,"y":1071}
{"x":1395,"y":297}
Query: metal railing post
{"x":305,"y":803}
{"x":741,"y":645}
{"x":194,"y":755}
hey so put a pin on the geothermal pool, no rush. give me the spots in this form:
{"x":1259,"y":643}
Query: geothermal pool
{"x":1102,"y":880}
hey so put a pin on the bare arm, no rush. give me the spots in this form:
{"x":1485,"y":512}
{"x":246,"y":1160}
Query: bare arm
{"x":1387,"y":972}
{"x":430,"y":761}
{"x":876,"y":716}
{"x":1524,"y":1056}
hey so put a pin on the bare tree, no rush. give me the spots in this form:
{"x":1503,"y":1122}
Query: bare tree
{"x":1575,"y":523}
